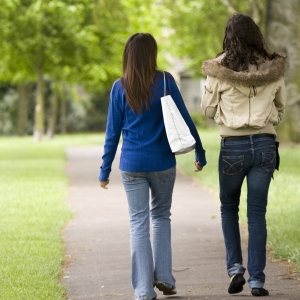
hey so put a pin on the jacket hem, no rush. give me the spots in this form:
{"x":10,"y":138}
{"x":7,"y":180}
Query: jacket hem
{"x":226,"y":131}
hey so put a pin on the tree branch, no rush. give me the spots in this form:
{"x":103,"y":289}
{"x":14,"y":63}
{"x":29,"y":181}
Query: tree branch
{"x":256,"y":11}
{"x":229,"y":6}
{"x":260,"y":6}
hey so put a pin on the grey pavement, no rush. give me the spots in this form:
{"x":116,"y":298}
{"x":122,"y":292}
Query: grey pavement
{"x":97,"y":240}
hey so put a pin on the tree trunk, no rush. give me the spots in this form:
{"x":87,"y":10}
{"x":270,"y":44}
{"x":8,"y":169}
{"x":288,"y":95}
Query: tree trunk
{"x":283,"y":36}
{"x":53,"y":112}
{"x":39,"y":112}
{"x":23,"y":91}
{"x":256,"y":10}
{"x":63,"y":111}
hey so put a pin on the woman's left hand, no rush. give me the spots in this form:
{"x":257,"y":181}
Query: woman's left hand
{"x":198,"y":167}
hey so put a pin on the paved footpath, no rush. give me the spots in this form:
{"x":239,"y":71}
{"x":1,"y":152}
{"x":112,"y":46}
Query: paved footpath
{"x":97,"y":240}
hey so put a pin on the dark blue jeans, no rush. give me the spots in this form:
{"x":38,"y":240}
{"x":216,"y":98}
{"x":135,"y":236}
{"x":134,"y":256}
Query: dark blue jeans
{"x":254,"y":158}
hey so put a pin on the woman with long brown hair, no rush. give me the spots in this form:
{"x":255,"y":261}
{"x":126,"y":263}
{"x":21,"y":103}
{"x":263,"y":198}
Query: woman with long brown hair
{"x":147,"y":163}
{"x":245,"y":95}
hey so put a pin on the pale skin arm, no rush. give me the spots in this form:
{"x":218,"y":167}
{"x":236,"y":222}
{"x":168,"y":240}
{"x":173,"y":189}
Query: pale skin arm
{"x":103,"y":184}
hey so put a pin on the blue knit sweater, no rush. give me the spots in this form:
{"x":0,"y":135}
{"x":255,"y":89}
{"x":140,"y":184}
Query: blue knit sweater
{"x":145,"y":146}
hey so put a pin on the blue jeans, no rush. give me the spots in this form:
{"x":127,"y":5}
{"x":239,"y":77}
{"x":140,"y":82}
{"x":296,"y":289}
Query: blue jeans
{"x":254,"y":158}
{"x":150,"y":263}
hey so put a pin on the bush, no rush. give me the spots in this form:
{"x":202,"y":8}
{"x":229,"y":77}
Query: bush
{"x":199,"y":119}
{"x":96,"y":111}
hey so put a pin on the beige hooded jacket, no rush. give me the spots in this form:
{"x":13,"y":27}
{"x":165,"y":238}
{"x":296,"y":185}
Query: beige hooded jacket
{"x":245,"y":103}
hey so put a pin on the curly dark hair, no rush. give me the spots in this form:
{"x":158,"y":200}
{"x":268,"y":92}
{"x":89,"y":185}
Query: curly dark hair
{"x":243,"y":44}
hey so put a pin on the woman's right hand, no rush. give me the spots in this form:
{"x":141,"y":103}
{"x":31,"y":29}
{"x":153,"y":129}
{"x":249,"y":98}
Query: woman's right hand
{"x":198,"y":167}
{"x":103,"y":184}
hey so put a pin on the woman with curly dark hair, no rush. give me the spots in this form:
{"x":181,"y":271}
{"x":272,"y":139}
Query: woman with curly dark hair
{"x":245,"y":95}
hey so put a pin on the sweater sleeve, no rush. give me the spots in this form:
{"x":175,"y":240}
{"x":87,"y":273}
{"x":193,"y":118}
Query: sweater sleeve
{"x":176,"y":95}
{"x":113,"y":132}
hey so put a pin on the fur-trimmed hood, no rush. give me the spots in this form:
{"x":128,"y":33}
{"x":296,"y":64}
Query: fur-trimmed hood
{"x":267,"y":72}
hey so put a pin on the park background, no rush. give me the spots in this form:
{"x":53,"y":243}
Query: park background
{"x":58,"y":62}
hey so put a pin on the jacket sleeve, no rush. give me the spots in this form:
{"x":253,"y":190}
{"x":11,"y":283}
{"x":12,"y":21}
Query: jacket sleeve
{"x":176,"y":95}
{"x":113,"y":132}
{"x":280,"y":99}
{"x":210,"y":97}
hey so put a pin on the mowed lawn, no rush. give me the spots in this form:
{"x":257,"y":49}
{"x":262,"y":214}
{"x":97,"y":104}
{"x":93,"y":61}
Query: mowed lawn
{"x":33,"y":189}
{"x":283,"y":204}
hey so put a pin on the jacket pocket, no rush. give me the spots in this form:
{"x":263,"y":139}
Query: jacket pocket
{"x":208,"y":89}
{"x":232,"y":165}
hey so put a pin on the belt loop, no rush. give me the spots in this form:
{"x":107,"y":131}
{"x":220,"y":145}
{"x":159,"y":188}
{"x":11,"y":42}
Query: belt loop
{"x":223,"y":142}
{"x":251,"y":139}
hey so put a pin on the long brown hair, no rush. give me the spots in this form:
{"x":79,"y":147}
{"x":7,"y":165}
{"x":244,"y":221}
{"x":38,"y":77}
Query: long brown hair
{"x":139,"y":66}
{"x":243,"y":44}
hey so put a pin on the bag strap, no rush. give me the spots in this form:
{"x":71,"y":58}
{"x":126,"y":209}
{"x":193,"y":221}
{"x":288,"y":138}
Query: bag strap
{"x":164,"y":84}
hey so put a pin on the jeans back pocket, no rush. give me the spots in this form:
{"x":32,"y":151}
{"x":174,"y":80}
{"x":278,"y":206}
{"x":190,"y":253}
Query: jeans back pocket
{"x":232,"y":165}
{"x":167,"y":175}
{"x":268,"y":161}
{"x":128,"y":176}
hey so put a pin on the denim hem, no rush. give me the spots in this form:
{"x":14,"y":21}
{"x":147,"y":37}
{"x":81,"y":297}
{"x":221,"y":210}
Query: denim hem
{"x":255,"y":284}
{"x":236,"y":269}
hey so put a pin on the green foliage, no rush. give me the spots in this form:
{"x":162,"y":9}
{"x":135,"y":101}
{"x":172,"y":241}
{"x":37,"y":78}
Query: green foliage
{"x":96,"y":112}
{"x":147,"y":16}
{"x":283,"y":202}
{"x":8,"y":111}
{"x":68,"y":42}
{"x":199,"y":119}
{"x":284,"y":207}
{"x":197,"y":28}
{"x":62,"y":38}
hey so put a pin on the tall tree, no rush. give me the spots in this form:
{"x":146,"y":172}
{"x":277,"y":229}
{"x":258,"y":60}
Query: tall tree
{"x":27,"y":31}
{"x":70,"y":42}
{"x":197,"y":27}
{"x":283,"y":36}
{"x":23,"y":92}
{"x":14,"y":70}
{"x":54,"y":100}
{"x":54,"y":38}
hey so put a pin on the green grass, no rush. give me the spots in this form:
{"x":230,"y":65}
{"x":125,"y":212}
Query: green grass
{"x":33,"y":187}
{"x":283,"y":202}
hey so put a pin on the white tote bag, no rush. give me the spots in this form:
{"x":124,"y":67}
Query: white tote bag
{"x":179,"y":136}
